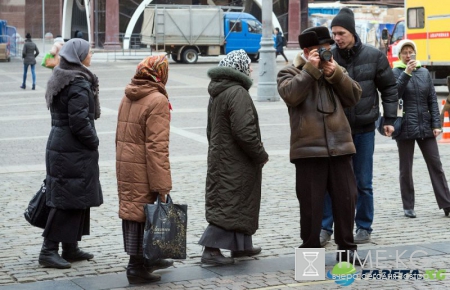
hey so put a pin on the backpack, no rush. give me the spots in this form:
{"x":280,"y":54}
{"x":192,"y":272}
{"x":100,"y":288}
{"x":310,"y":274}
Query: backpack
{"x":283,"y":40}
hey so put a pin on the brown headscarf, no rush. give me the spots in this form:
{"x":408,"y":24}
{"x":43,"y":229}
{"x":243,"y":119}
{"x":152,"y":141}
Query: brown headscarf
{"x":155,"y":69}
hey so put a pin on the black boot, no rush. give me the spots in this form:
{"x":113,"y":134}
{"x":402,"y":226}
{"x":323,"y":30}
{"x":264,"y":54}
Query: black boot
{"x":136,"y":272}
{"x":157,"y":265}
{"x":49,"y":256}
{"x":23,"y":86}
{"x":33,"y":87}
{"x":213,"y":256}
{"x":73,"y":253}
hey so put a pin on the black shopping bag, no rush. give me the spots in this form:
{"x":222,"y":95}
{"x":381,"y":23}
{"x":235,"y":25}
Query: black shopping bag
{"x":165,"y":230}
{"x":37,"y":211}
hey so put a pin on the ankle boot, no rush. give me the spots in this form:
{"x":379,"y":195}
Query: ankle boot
{"x":136,"y":272}
{"x":23,"y":86}
{"x":73,"y":253}
{"x":49,"y":256}
{"x":157,"y":265}
{"x":213,"y":256}
{"x":33,"y":87}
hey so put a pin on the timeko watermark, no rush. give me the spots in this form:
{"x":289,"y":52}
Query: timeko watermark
{"x":310,"y":265}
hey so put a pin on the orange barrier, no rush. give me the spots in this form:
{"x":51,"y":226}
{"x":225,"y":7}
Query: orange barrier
{"x":446,"y":129}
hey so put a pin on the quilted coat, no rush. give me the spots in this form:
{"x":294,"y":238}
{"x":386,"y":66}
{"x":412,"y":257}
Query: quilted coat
{"x":29,"y":52}
{"x":142,"y":148}
{"x":72,"y":150}
{"x":370,"y":68}
{"x":420,"y":107}
{"x":235,"y":153}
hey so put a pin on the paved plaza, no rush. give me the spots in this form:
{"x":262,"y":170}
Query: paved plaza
{"x":24,"y":128}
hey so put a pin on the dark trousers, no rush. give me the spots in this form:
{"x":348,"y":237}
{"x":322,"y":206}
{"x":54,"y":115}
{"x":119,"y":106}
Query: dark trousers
{"x":316,"y":176}
{"x":430,"y":153}
{"x":282,"y":53}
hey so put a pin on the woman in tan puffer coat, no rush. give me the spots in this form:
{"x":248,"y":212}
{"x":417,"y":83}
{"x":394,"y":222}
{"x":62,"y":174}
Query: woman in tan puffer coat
{"x":142,"y":159}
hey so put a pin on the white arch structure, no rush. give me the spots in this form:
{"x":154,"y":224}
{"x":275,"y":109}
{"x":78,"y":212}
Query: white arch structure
{"x":137,"y":13}
{"x":67,"y":19}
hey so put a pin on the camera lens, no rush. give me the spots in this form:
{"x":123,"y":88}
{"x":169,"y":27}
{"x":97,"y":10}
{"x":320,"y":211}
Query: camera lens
{"x":325,"y":55}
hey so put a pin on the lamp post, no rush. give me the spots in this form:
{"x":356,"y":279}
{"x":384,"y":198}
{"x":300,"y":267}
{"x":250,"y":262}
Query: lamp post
{"x":43,"y":25}
{"x":267,"y":85}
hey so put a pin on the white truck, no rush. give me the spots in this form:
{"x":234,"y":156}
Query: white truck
{"x":187,"y":32}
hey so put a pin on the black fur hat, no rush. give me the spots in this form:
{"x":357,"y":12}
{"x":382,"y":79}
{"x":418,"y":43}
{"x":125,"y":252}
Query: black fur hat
{"x":314,"y":36}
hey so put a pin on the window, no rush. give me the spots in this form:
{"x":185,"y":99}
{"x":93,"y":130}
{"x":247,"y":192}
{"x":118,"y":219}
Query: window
{"x":399,"y":32}
{"x":254,"y":26}
{"x":416,"y":17}
{"x":235,"y":26}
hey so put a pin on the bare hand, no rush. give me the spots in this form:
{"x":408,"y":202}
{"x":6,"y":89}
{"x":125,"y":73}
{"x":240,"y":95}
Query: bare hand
{"x":314,"y":58}
{"x":410,"y":66}
{"x":162,"y":196}
{"x":388,"y":130}
{"x":436,"y":132}
{"x":328,"y":67}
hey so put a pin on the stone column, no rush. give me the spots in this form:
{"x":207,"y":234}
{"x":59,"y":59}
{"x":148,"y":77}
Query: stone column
{"x":112,"y":25}
{"x":293,"y":23}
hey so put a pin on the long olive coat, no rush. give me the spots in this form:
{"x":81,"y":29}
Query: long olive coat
{"x":235,"y":154}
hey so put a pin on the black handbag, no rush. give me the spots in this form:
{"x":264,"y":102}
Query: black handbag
{"x":165,"y":230}
{"x":37,"y":211}
{"x":379,"y":124}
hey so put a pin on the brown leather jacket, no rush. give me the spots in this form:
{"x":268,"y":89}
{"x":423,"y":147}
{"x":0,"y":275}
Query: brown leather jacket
{"x":142,"y":149}
{"x":319,"y":127}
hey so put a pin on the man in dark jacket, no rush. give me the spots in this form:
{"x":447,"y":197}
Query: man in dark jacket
{"x":316,"y":92}
{"x":370,"y":68}
{"x":29,"y":54}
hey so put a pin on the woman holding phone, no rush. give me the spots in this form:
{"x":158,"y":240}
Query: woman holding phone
{"x":421,"y":124}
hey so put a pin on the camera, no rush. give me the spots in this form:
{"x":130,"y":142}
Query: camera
{"x":325,"y":55}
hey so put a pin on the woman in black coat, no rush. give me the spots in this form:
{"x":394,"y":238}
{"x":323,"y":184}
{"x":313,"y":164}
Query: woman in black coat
{"x":420,"y":124}
{"x":73,"y":184}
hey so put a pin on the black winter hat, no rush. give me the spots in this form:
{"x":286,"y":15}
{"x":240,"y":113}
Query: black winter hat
{"x":346,"y":19}
{"x":314,"y":36}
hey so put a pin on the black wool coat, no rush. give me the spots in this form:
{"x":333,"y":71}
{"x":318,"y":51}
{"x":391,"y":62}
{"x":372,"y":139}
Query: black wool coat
{"x":235,"y":153}
{"x":72,"y":150}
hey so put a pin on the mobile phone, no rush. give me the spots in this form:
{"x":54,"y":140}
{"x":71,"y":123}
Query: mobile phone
{"x":413,"y":57}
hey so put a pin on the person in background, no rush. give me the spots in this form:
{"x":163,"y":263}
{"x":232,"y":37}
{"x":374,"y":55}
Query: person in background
{"x":73,"y":176}
{"x":29,"y":54}
{"x":316,"y":91}
{"x":279,"y":43}
{"x":236,"y":157}
{"x":142,"y":160}
{"x":421,"y":125}
{"x":446,"y":107}
{"x":370,"y":68}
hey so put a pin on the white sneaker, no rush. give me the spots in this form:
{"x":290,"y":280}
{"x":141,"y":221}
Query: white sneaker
{"x":325,"y":237}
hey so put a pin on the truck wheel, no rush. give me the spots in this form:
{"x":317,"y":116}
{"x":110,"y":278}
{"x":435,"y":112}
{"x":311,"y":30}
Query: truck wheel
{"x":190,"y":56}
{"x":254,"y":57}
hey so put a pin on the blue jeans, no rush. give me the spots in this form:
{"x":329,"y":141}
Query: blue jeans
{"x":363,"y":167}
{"x":33,"y":74}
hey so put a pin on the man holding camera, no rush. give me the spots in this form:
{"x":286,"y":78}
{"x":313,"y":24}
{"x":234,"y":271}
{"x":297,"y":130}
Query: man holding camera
{"x":370,"y":68}
{"x":316,"y":89}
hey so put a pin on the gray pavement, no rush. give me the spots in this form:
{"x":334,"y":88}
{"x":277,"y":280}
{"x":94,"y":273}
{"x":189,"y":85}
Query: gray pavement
{"x":24,"y":128}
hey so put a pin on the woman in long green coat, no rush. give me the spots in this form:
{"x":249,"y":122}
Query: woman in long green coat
{"x":236,"y":156}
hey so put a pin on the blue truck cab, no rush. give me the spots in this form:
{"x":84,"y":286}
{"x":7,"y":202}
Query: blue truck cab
{"x":242,"y":31}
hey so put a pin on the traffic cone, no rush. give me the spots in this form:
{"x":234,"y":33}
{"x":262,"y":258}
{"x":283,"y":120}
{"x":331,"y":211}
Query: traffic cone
{"x":446,"y":134}
{"x":442,"y":105}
